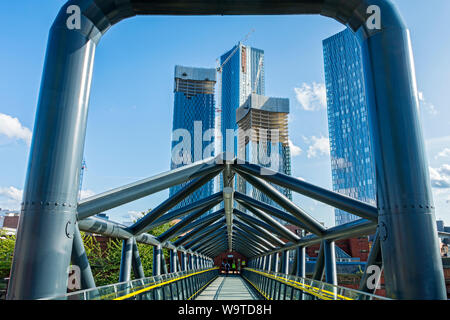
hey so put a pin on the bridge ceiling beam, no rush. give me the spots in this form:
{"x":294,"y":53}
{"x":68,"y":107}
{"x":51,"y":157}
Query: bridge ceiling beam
{"x":285,"y":232}
{"x":142,"y":224}
{"x":197,"y":243}
{"x":273,"y":211}
{"x":250,"y":240}
{"x":331,"y":198}
{"x":211,"y":242}
{"x":203,"y":221}
{"x":137,"y":190}
{"x":201,"y":232}
{"x":245,"y":227}
{"x":182,"y":211}
{"x":261,"y":226}
{"x":187,"y":220}
{"x":310,"y":224}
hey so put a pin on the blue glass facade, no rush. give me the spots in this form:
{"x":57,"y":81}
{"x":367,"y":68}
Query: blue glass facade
{"x":352,"y":162}
{"x":239,"y":78}
{"x":194,"y":106}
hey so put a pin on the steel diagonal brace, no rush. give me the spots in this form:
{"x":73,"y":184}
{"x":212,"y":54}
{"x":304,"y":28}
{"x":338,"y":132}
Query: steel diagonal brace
{"x":173,"y":230}
{"x":261,"y":226}
{"x":142,"y":224}
{"x":331,"y":198}
{"x":119,"y":196}
{"x":285,"y":232}
{"x":200,"y":232}
{"x":309,"y":222}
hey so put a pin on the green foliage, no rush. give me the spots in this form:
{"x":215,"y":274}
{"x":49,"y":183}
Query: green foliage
{"x":105,"y":263}
{"x":7,"y":243}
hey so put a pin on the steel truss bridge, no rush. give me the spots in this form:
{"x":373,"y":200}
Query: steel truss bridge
{"x":48,"y":237}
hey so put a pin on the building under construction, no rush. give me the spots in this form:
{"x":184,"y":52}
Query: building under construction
{"x":263,"y":138}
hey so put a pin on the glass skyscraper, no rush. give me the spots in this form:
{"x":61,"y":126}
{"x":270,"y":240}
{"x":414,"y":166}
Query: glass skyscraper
{"x":352,"y":162}
{"x":193,"y":111}
{"x":241,"y":75}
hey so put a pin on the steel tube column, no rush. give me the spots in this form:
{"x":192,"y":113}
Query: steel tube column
{"x":125,"y":261}
{"x":173,"y":260}
{"x":80,"y":259}
{"x":407,"y":224}
{"x":301,"y":262}
{"x":330,"y":262}
{"x":138,"y":270}
{"x":48,"y":215}
{"x":285,"y":262}
{"x":319,"y":267}
{"x":157,"y":251}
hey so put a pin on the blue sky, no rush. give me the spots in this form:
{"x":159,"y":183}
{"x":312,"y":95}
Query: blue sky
{"x":131,"y":105}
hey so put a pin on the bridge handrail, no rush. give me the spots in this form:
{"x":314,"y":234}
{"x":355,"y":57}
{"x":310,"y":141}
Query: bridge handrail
{"x":127,"y":289}
{"x":319,"y":289}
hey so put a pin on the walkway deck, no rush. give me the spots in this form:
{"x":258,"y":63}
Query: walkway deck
{"x":230,"y":287}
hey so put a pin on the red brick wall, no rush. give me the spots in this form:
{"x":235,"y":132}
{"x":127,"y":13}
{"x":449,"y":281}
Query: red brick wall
{"x":11,"y":222}
{"x":355,"y":247}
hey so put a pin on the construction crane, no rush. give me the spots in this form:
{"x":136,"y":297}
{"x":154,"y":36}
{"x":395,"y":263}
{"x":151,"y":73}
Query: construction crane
{"x":220,"y":68}
{"x":83,"y":167}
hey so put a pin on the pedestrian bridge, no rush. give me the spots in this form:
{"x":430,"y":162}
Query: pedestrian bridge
{"x":405,"y":245}
{"x":210,"y":284}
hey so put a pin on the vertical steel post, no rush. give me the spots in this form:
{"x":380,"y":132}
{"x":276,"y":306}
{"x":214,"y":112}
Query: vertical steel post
{"x":285,"y":262}
{"x":184,"y":261}
{"x":157,"y":260}
{"x":276,"y":261}
{"x":319,"y":267}
{"x":80,"y":259}
{"x":48,"y":214}
{"x":125,"y":261}
{"x":164,"y":269}
{"x":138,"y":270}
{"x":190,"y":262}
{"x":406,"y":223}
{"x":301,"y":262}
{"x":330,"y":262}
{"x":269,"y":262}
{"x":173,"y":260}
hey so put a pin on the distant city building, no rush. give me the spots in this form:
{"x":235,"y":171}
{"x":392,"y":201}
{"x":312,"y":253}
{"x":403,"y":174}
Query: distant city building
{"x":440,"y":225}
{"x":352,"y":164}
{"x":258,"y":118}
{"x":194,"y":109}
{"x":9,"y":220}
{"x":242,"y":74}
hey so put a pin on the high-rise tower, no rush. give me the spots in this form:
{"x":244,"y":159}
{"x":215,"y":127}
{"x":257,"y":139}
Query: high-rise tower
{"x":263,"y":139}
{"x":193,"y":116}
{"x":352,"y":162}
{"x":242,"y":74}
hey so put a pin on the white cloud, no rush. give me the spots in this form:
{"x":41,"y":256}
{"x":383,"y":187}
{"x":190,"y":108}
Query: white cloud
{"x":86,"y":194}
{"x":428,"y":106}
{"x":295,"y":150}
{"x":312,"y":97}
{"x":13,"y":129}
{"x":10,"y":198}
{"x":319,"y":146}
{"x":443,"y":154}
{"x":440,"y":177}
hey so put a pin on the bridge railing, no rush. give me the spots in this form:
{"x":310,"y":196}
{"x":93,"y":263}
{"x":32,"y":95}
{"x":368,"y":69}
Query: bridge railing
{"x":184,"y":285}
{"x":280,"y":286}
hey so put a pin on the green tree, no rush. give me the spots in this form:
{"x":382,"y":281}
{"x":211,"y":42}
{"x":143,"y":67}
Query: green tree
{"x":7,"y":243}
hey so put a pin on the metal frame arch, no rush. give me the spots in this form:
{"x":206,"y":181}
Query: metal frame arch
{"x":405,"y":203}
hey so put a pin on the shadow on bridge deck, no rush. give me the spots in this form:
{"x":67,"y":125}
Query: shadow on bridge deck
{"x":231,"y":287}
